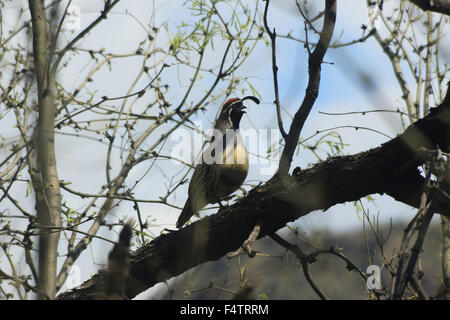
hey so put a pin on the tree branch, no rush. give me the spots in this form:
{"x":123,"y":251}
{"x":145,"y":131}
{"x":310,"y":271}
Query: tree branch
{"x":390,"y":169}
{"x":312,"y":91}
{"x":273,"y":39}
{"x":304,"y":261}
{"x":440,"y":6}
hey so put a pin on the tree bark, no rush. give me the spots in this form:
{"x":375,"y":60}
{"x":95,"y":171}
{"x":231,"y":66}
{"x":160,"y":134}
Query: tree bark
{"x":390,"y":169}
{"x":439,"y":6}
{"x":45,"y":180}
{"x":445,"y":227}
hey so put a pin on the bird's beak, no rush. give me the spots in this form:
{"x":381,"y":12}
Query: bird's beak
{"x":243,"y":109}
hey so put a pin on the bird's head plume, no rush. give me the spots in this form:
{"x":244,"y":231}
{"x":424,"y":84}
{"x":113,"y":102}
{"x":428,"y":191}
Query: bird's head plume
{"x":232,"y":111}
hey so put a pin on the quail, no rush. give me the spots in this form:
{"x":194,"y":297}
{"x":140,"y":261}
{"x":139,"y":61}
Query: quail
{"x":214,"y":180}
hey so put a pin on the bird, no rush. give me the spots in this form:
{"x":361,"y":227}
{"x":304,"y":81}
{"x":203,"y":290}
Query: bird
{"x":213,"y":181}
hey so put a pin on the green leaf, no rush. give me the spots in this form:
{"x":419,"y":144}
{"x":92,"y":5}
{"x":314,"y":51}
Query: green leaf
{"x":29,"y":188}
{"x":254,"y":91}
{"x":263,"y":296}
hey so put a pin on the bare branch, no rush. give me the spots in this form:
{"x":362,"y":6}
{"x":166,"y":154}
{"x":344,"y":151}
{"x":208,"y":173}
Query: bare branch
{"x":312,"y":91}
{"x":304,"y":261}
{"x":440,"y":6}
{"x":273,"y":39}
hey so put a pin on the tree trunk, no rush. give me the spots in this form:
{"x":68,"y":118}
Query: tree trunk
{"x":46,"y":182}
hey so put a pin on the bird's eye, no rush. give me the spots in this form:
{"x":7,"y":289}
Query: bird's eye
{"x":235,"y":104}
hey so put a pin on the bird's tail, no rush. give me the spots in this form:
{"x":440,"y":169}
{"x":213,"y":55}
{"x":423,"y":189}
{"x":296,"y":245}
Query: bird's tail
{"x":186,"y":213}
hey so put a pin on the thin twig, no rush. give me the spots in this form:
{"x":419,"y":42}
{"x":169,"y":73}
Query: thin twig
{"x":419,"y":224}
{"x":304,"y":261}
{"x":273,"y":36}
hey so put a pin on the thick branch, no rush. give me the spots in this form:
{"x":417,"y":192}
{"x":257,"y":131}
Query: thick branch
{"x":312,"y":91}
{"x":390,"y":169}
{"x":440,"y":6}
